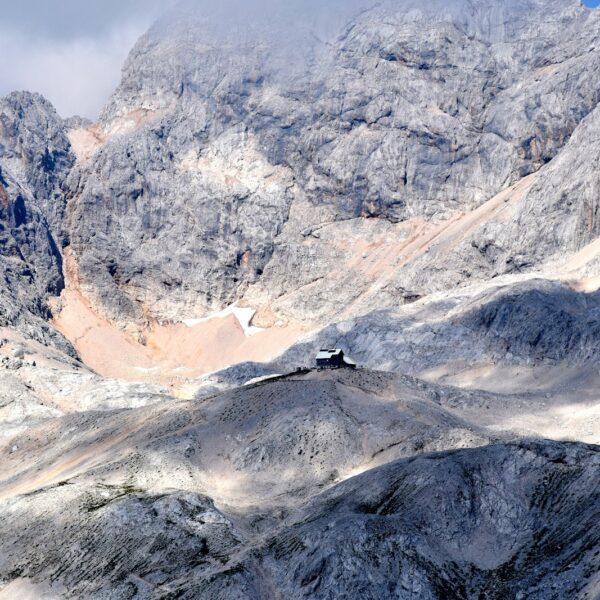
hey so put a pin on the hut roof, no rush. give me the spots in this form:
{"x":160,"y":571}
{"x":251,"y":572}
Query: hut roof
{"x":324,"y":353}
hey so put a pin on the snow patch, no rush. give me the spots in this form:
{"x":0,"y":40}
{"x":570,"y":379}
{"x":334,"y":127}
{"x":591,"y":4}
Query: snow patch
{"x":243,"y":315}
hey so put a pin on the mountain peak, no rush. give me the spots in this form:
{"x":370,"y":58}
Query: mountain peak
{"x":413,"y":183}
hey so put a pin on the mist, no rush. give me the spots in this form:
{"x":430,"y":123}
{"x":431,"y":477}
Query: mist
{"x":71,"y":51}
{"x":313,"y":14}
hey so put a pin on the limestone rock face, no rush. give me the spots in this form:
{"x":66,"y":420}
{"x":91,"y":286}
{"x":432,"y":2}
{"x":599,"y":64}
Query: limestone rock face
{"x":35,"y":159}
{"x":414,"y":182}
{"x":560,"y":213}
{"x":223,"y":170}
{"x":218,"y":157}
{"x":37,"y":154}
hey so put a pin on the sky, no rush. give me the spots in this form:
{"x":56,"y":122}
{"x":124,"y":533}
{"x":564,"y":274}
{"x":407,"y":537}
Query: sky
{"x":72,"y":51}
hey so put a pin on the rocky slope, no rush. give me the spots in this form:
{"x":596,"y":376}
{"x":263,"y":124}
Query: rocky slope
{"x":515,"y":321}
{"x":218,"y":169}
{"x":416,"y":184}
{"x":510,"y":519}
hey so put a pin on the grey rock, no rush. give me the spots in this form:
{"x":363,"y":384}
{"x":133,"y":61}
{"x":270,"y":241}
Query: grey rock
{"x":395,"y":522}
{"x":219,"y":172}
{"x":217,"y":159}
{"x":444,"y":525}
{"x":35,"y":159}
{"x":530,"y":322}
{"x":77,"y":122}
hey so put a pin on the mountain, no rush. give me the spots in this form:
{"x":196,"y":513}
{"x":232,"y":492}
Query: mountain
{"x":414,"y":183}
{"x":234,"y":162}
{"x":35,"y":159}
{"x":438,"y":510}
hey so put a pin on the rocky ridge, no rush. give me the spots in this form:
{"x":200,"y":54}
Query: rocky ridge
{"x":369,"y":127}
{"x":404,"y":181}
{"x":35,"y":159}
{"x":509,"y":518}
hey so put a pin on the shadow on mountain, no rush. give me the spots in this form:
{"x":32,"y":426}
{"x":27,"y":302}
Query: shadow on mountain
{"x":539,"y":321}
{"x":512,"y":520}
{"x":536,"y":322}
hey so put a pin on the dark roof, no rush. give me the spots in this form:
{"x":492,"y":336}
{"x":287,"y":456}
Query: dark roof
{"x":325,"y":354}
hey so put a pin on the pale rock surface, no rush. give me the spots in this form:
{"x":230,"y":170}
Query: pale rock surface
{"x":220,"y":167}
{"x":504,"y":518}
{"x":416,"y":183}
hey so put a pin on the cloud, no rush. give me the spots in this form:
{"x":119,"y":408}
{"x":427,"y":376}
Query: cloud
{"x":65,"y":20}
{"x":70,"y":51}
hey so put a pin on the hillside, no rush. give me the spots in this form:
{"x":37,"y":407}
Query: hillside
{"x":416,"y":184}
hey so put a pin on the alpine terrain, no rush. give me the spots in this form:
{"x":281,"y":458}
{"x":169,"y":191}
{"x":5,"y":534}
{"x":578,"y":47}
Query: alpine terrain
{"x":415,"y":183}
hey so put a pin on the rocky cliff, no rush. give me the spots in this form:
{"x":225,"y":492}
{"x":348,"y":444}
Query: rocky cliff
{"x":219,"y":159}
{"x":416,"y":183}
{"x":35,"y":160}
